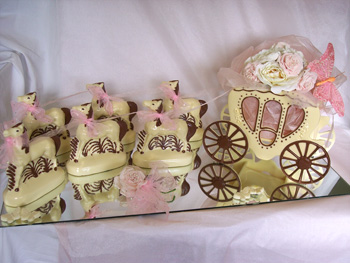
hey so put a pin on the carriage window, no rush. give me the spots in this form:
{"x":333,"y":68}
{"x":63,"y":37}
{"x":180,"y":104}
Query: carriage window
{"x":294,"y":118}
{"x":271,"y":115}
{"x":250,"y":107}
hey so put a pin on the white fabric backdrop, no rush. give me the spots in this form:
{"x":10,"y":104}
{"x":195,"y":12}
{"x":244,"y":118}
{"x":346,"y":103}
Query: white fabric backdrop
{"x":56,"y":47}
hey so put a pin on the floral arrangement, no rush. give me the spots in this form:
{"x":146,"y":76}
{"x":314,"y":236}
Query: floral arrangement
{"x":289,"y":64}
{"x":146,"y":194}
{"x":282,"y":68}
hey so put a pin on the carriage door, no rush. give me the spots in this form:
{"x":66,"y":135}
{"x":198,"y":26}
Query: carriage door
{"x":271,"y":117}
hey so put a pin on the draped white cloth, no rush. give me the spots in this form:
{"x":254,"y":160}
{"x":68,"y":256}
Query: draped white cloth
{"x":57,"y":47}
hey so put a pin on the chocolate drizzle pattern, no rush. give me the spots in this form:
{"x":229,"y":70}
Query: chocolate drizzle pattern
{"x":11,"y":172}
{"x":77,"y":195}
{"x":141,"y":137}
{"x":99,"y":186}
{"x":167,"y":142}
{"x":45,"y":209}
{"x":100,"y":146}
{"x":74,"y":146}
{"x":188,"y":117}
{"x":42,"y":131}
{"x":35,"y":168}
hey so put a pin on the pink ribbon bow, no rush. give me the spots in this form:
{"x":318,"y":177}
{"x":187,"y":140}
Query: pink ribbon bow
{"x":7,"y":154}
{"x":179,"y":103}
{"x":80,"y":118}
{"x":103,"y":98}
{"x":150,"y":196}
{"x":166,"y":118}
{"x":20,"y":109}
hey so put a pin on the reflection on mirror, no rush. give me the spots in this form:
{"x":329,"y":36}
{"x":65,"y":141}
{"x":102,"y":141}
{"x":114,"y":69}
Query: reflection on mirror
{"x":256,"y":186}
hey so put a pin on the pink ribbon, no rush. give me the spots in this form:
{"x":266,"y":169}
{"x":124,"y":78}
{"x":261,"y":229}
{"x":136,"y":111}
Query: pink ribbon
{"x":80,"y":118}
{"x":166,"y":118}
{"x":6,"y":151}
{"x":7,"y":148}
{"x":103,"y":98}
{"x":179,"y":103}
{"x":150,"y":196}
{"x":94,"y":212}
{"x":20,"y":109}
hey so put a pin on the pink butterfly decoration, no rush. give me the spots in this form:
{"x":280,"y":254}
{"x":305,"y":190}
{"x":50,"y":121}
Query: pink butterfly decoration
{"x":325,"y":89}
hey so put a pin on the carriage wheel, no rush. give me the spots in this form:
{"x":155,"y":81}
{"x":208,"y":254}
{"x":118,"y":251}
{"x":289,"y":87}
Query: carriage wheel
{"x":290,"y":192}
{"x":305,"y":162}
{"x":225,"y":142}
{"x":219,"y":182}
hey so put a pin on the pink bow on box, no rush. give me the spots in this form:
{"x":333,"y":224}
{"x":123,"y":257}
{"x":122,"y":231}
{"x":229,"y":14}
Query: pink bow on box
{"x":166,"y":118}
{"x":80,"y":118}
{"x":180,"y":105}
{"x":103,"y":98}
{"x":145,"y":194}
{"x":20,"y":109}
{"x":7,"y":148}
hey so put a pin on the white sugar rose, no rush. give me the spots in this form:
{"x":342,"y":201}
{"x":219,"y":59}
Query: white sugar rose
{"x":271,"y":74}
{"x":307,"y":81}
{"x":130,"y":180}
{"x":264,"y":56}
{"x":291,"y":63}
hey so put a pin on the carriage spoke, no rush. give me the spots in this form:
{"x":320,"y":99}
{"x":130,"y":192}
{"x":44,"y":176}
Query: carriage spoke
{"x":290,"y":166}
{"x":310,"y":176}
{"x":298,"y":148}
{"x":205,"y":179}
{"x":219,"y":129}
{"x":280,"y":190}
{"x":231,"y":180}
{"x":296,"y":156}
{"x":306,"y":149}
{"x":303,"y":195}
{"x":228,"y":173}
{"x":210,"y":190}
{"x":297,"y":189}
{"x":289,"y":192}
{"x":211,"y":138}
{"x":233,"y":134}
{"x":237,"y":152}
{"x":318,"y":158}
{"x":225,"y":195}
{"x":231,"y":186}
{"x":223,"y":155}
{"x":210,"y":175}
{"x":317,"y":172}
{"x":288,"y":158}
{"x":212,"y":145}
{"x":216,"y":151}
{"x":312,"y":153}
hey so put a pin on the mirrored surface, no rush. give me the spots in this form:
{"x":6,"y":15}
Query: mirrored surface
{"x":196,"y":199}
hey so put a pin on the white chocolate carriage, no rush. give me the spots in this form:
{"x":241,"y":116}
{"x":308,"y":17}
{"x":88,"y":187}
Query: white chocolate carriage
{"x":274,"y":110}
{"x":261,"y":121}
